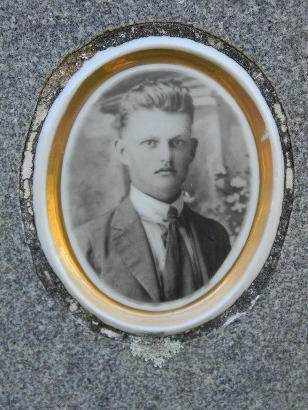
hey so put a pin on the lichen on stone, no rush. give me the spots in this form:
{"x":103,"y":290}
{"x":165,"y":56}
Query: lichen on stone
{"x":155,"y":350}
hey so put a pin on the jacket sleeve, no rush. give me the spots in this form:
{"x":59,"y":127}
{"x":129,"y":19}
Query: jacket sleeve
{"x":90,"y":241}
{"x":223,"y":244}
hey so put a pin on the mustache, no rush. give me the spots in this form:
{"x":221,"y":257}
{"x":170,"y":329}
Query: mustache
{"x":165,"y":169}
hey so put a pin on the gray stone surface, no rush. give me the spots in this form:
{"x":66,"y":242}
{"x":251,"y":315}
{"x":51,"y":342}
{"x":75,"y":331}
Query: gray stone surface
{"x":50,"y":357}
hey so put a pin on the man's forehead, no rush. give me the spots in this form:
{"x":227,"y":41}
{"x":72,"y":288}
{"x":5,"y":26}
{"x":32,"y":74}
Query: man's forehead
{"x":157,"y":122}
{"x":155,"y":112}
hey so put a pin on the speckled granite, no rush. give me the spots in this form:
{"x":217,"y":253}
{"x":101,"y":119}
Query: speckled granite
{"x":50,"y":357}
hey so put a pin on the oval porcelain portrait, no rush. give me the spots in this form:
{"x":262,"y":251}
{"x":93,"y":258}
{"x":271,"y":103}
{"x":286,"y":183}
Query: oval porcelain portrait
{"x":158,"y":184}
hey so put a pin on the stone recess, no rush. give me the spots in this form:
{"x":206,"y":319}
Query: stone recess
{"x":55,"y":355}
{"x":54,"y":85}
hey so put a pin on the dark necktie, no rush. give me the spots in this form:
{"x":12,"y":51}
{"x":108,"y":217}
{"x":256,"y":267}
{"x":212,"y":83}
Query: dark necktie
{"x":178,"y":278}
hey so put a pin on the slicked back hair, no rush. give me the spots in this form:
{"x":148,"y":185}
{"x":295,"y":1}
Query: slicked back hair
{"x":169,"y":96}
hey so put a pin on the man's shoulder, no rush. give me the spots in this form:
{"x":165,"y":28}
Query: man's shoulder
{"x":96,"y":227}
{"x":98,"y":221}
{"x":212,"y":237}
{"x":203,"y":223}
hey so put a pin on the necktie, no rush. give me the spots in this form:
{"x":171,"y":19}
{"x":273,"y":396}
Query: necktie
{"x":178,"y":278}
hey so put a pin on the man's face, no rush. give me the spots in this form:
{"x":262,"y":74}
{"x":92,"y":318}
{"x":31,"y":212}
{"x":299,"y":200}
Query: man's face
{"x":157,"y":148}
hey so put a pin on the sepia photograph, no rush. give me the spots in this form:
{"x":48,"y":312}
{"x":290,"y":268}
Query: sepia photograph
{"x":159,"y":184}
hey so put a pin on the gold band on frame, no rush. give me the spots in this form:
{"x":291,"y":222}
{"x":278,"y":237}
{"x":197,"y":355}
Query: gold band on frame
{"x":138,"y":317}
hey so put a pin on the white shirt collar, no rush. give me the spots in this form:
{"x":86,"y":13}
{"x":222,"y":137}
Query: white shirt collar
{"x":152,"y":209}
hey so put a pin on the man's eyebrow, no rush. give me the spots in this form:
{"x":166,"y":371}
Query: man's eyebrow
{"x":151,"y":137}
{"x":178,"y":136}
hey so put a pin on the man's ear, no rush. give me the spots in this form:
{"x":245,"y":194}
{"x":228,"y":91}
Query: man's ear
{"x":121,"y":150}
{"x":194,"y":146}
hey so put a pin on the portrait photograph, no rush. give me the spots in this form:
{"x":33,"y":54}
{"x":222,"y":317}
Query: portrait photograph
{"x":159,"y":185}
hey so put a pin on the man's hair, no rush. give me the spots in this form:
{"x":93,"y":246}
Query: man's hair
{"x":169,"y":96}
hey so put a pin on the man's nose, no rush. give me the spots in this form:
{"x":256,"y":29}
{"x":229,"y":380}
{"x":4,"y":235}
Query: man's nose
{"x":165,"y":152}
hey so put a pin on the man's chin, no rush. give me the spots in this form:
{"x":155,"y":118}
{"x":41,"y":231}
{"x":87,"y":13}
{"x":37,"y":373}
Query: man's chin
{"x":166,"y":194}
{"x":166,"y":174}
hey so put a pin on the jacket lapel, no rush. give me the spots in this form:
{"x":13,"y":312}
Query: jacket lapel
{"x":204,"y":246}
{"x":130,"y":241}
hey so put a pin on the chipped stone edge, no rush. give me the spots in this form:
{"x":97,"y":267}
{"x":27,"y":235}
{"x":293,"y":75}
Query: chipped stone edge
{"x":56,"y":82}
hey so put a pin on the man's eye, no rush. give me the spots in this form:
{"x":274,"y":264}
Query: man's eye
{"x":178,"y":143}
{"x":150,"y":143}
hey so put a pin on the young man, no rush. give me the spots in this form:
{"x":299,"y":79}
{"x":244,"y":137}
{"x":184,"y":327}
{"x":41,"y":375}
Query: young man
{"x":152,"y":247}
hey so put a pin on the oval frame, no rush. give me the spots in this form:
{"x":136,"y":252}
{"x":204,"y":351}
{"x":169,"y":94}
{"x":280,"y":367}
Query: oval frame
{"x":47,"y":176}
{"x":247,"y":218}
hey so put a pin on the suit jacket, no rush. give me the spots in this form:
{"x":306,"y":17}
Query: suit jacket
{"x":117,"y":248}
